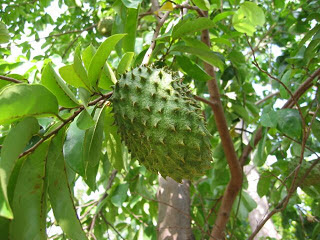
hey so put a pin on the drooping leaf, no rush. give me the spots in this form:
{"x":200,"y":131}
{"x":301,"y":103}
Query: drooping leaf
{"x":4,"y":228}
{"x":120,"y":194}
{"x":192,"y":69}
{"x":264,"y":184}
{"x":268,"y":118}
{"x":87,"y":55}
{"x":129,"y":40}
{"x":70,"y":76}
{"x":30,"y":197}
{"x":4,"y":33}
{"x":55,"y":84}
{"x":59,"y":190}
{"x":80,"y":70}
{"x":92,"y":147}
{"x":260,"y":156}
{"x":192,"y":26}
{"x":289,"y":122}
{"x":113,"y":141}
{"x":207,"y":56}
{"x":286,"y":81}
{"x":316,"y":129}
{"x":85,"y":121}
{"x":73,"y":148}
{"x":125,"y":62}
{"x":13,"y":146}
{"x":22,"y":100}
{"x":100,"y":57}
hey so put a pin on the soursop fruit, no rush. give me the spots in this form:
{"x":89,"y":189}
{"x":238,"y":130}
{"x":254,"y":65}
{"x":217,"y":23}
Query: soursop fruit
{"x":161,"y":123}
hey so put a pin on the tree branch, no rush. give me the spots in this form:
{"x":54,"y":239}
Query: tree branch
{"x":147,"y":56}
{"x":235,"y":183}
{"x":71,"y":118}
{"x":289,"y":104}
{"x":9,"y":79}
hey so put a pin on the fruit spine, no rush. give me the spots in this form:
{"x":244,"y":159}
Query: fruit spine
{"x":161,"y":123}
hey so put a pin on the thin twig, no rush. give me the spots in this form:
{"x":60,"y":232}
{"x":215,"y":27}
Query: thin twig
{"x":147,"y":56}
{"x":108,"y":223}
{"x":9,"y":79}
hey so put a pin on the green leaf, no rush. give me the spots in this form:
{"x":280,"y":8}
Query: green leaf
{"x":70,"y":76}
{"x":85,"y":121}
{"x":248,"y":16}
{"x":264,"y":184}
{"x":269,"y":118}
{"x":4,"y":33}
{"x":285,"y":79}
{"x":260,"y":156}
{"x":222,"y":16}
{"x":4,"y":228}
{"x":59,"y":191}
{"x":192,"y":26}
{"x":73,"y":148}
{"x":125,"y":62}
{"x":92,"y":146}
{"x":13,"y":145}
{"x":192,"y":69}
{"x":306,"y":37}
{"x":22,"y":100}
{"x":87,"y":55}
{"x":289,"y":122}
{"x":195,"y":42}
{"x":316,"y":129}
{"x":80,"y":70}
{"x":241,"y":111}
{"x":120,"y":194}
{"x":129,"y":40}
{"x":236,"y":57}
{"x":100,"y":57}
{"x":202,"y":4}
{"x":55,"y":84}
{"x":113,"y":141}
{"x":222,"y":41}
{"x":131,"y":3}
{"x":29,"y":200}
{"x":207,"y":56}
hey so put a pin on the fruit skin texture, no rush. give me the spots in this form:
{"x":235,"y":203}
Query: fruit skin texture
{"x":161,"y":123}
{"x":105,"y":26}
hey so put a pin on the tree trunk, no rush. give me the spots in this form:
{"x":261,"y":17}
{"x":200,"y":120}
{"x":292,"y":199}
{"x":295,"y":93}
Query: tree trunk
{"x":174,"y":220}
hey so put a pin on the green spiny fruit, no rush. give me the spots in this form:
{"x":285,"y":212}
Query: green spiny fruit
{"x":161,"y":123}
{"x":105,"y":26}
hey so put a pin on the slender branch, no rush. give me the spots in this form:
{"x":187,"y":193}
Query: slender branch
{"x":69,"y":32}
{"x":235,"y":183}
{"x":147,"y":56}
{"x":210,"y":103}
{"x":302,"y":89}
{"x":267,"y":98}
{"x":94,"y":218}
{"x":9,"y":79}
{"x":108,"y":223}
{"x":71,"y":118}
{"x":187,"y":6}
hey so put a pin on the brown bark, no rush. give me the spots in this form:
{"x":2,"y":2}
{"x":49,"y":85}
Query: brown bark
{"x":235,"y":183}
{"x":174,"y":220}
